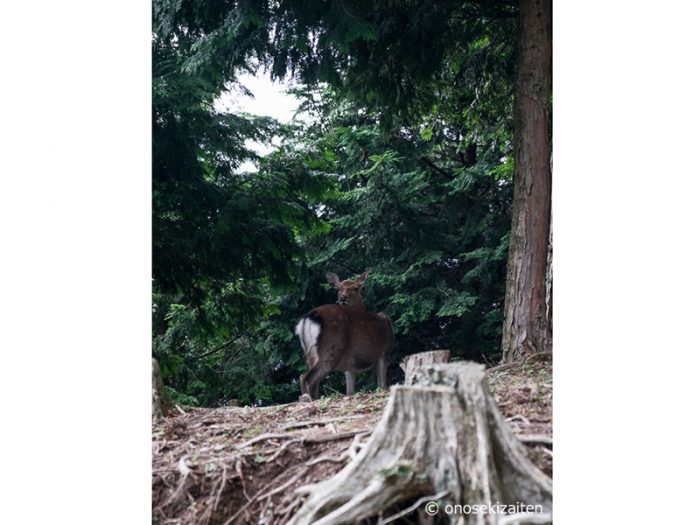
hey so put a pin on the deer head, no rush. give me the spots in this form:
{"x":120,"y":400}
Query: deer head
{"x":349,"y":291}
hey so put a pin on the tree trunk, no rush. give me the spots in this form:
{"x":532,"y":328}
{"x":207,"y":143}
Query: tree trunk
{"x":550,"y":284}
{"x":446,"y":441}
{"x":160,"y":405}
{"x":412,"y":363}
{"x":526,"y":326}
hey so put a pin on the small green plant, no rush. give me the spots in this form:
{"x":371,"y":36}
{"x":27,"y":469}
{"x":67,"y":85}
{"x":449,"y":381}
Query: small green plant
{"x":252,"y":432}
{"x":497,"y":376}
{"x":402,"y":468}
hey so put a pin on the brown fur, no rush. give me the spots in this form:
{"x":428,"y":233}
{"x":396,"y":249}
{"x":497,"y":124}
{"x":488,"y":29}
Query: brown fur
{"x":351,"y":339}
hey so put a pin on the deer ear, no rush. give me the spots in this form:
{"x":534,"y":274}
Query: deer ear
{"x":363,"y":277}
{"x":333,"y":279}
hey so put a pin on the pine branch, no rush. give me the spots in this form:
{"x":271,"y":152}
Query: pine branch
{"x":435,"y":167}
{"x":220,"y":347}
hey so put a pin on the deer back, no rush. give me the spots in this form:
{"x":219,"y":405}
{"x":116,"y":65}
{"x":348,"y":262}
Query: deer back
{"x":360,"y":336}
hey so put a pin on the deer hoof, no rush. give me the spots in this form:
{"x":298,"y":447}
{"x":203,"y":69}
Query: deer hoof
{"x":305,"y":398}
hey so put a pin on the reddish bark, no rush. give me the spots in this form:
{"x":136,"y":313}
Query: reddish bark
{"x":527,"y":323}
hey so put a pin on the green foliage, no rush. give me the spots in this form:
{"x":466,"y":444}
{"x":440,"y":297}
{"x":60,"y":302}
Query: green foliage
{"x":437,"y":245}
{"x":405,"y":168}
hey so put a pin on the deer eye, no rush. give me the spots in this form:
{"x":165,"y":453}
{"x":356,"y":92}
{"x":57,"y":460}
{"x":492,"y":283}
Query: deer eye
{"x":356,"y":288}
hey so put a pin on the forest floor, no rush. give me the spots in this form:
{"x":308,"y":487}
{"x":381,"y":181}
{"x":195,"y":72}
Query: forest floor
{"x":239,"y":465}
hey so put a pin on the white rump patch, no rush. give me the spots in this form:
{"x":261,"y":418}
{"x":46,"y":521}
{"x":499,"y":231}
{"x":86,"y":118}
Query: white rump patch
{"x":308,"y":332}
{"x":299,"y":327}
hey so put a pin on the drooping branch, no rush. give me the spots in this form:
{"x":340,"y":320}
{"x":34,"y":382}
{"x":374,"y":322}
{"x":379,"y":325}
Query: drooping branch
{"x":217,"y":348}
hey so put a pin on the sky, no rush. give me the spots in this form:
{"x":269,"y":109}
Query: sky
{"x":269,"y":100}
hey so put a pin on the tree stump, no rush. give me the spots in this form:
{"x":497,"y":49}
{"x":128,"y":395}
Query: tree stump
{"x":412,"y":363}
{"x":444,"y":437}
{"x":160,"y":405}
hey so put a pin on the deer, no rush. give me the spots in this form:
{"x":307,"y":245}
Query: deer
{"x":344,"y":336}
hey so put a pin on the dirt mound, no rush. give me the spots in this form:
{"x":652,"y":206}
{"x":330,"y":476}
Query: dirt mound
{"x":242,"y":465}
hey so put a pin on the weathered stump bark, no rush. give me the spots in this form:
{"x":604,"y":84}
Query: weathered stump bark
{"x":160,"y":405}
{"x":412,"y":363}
{"x":446,"y":438}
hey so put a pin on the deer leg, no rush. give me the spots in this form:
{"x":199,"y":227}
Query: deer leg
{"x":350,"y":383}
{"x":311,"y":380}
{"x":311,"y":360}
{"x":381,"y":372}
{"x":314,"y":376}
{"x":313,"y":392}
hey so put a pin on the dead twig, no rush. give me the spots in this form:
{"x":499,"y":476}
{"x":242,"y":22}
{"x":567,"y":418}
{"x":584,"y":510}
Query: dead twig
{"x":254,"y":499}
{"x":521,"y":418}
{"x":332,"y":459}
{"x":239,"y":470}
{"x":281,"y":449}
{"x":323,"y":421}
{"x":224,"y":479}
{"x":508,"y":366}
{"x":333,"y":437}
{"x":285,"y":512}
{"x":355,"y":447}
{"x":283,"y":486}
{"x":263,"y":437}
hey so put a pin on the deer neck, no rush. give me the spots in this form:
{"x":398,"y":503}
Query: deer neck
{"x":356,"y":304}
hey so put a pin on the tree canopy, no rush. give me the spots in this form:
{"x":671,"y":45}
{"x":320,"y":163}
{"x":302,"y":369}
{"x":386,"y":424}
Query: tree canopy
{"x":405,"y":166}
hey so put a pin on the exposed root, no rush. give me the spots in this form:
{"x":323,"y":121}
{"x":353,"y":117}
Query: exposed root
{"x":479,"y":461}
{"x":535,"y":439}
{"x":208,"y":464}
{"x":209,"y":469}
{"x":412,"y":508}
